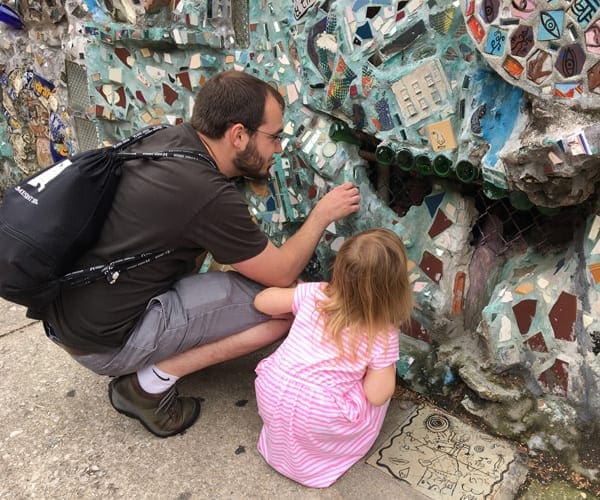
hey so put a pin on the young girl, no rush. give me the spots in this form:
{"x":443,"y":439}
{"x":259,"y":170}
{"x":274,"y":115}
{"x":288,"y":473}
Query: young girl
{"x":323,"y":394}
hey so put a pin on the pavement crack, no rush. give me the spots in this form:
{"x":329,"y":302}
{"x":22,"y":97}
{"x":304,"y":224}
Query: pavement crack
{"x":18,"y":328}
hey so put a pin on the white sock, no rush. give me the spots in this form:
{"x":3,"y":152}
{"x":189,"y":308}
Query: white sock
{"x":154,"y":381}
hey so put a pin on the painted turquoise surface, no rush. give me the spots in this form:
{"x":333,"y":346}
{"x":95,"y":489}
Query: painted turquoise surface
{"x":549,"y":276}
{"x":504,"y":108}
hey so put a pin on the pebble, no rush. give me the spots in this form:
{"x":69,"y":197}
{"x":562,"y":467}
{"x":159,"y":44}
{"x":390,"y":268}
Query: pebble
{"x":15,"y":433}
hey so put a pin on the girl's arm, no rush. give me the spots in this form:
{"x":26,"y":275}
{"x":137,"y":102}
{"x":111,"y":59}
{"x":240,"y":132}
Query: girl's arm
{"x":275,"y":301}
{"x":379,"y":385}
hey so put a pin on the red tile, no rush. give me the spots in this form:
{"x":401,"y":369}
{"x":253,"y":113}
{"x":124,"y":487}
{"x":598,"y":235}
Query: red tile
{"x":432,"y":266}
{"x":169,"y":94}
{"x":562,"y":316}
{"x":416,"y":331}
{"x":440,"y":224}
{"x":524,"y":312}
{"x":556,"y":378}
{"x":537,"y":343}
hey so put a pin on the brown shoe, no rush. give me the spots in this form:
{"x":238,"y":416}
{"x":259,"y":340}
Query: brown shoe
{"x":164,"y":414}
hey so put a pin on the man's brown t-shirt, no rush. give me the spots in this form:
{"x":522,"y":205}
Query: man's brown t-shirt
{"x":170,"y":203}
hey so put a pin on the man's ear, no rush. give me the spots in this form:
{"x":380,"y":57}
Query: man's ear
{"x":238,"y":136}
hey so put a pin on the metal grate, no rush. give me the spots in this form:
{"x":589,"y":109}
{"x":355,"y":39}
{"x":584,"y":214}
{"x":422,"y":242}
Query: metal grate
{"x":499,"y":224}
{"x":534,"y":228}
{"x":79,"y":99}
{"x":87,"y":135}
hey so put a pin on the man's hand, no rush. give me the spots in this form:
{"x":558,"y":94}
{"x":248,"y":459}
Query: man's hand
{"x":281,"y":266}
{"x":341,"y":201}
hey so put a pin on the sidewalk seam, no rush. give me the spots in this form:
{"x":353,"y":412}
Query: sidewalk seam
{"x":5,"y":334}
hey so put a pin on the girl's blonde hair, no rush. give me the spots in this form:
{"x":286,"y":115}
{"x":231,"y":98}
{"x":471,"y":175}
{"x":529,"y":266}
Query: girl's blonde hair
{"x":369,"y":290}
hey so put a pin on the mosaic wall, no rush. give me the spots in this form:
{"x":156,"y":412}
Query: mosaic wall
{"x":471,"y":128}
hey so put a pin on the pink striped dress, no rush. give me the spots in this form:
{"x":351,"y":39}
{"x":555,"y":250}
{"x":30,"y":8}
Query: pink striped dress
{"x":317,"y":421}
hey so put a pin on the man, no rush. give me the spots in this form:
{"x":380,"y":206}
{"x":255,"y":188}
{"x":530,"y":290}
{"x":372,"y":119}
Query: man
{"x":161,"y":321}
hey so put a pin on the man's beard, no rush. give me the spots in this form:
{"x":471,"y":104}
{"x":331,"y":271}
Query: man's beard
{"x":250,"y":163}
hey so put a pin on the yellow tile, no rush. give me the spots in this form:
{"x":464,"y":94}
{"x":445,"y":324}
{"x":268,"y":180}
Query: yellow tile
{"x":441,"y":136}
{"x":595,"y":270}
{"x":524,"y":288}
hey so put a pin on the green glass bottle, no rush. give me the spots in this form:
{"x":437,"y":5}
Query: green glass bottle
{"x":520,"y":200}
{"x":385,"y":154}
{"x":494,"y":192}
{"x":405,"y":159}
{"x":340,"y":132}
{"x":466,"y":171}
{"x":423,"y":164}
{"x":442,"y":166}
{"x":549,"y":211}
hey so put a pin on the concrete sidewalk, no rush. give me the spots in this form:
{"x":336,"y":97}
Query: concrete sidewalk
{"x":60,"y":438}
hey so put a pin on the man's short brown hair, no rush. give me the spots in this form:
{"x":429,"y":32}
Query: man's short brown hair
{"x":231,"y":97}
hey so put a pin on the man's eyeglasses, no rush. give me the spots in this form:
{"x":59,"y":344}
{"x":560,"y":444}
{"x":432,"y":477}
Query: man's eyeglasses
{"x":274,"y":137}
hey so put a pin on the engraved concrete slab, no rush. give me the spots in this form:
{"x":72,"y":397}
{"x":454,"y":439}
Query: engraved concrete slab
{"x":446,"y":459}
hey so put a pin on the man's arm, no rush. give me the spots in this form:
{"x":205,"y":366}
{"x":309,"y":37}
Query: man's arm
{"x":281,"y":266}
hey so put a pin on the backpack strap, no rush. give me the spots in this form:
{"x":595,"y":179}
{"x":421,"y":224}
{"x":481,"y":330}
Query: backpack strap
{"x":172,"y":153}
{"x":138,"y":136}
{"x":110,"y":271}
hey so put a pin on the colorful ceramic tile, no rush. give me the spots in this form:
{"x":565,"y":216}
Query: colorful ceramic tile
{"x":458,"y":292}
{"x":184,"y":80}
{"x":489,"y":10}
{"x":592,"y":38}
{"x":550,"y":26}
{"x":441,"y":136}
{"x":125,"y":56}
{"x":570,"y":60}
{"x":169,"y":94}
{"x":422,"y":92}
{"x":568,"y":90}
{"x":432,"y":266}
{"x":537,"y":343}
{"x":583,"y":11}
{"x":442,"y":21}
{"x":416,"y":331}
{"x":524,"y":288}
{"x":539,"y":66}
{"x":513,"y":67}
{"x":339,"y":84}
{"x":593,"y":75}
{"x":522,"y":8}
{"x":524,"y":312}
{"x":364,"y":31}
{"x":301,"y":7}
{"x":383,"y":115}
{"x":556,"y":378}
{"x":563,"y":315}
{"x":433,"y":201}
{"x":405,"y":39}
{"x":577,"y":144}
{"x":469,"y":7}
{"x":440,"y":224}
{"x":496,"y":41}
{"x":595,"y":271}
{"x":476,"y":29}
{"x":521,"y":41}
{"x":505,"y":331}
{"x":594,"y":228}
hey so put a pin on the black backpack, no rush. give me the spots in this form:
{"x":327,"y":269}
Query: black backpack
{"x":50,"y":219}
